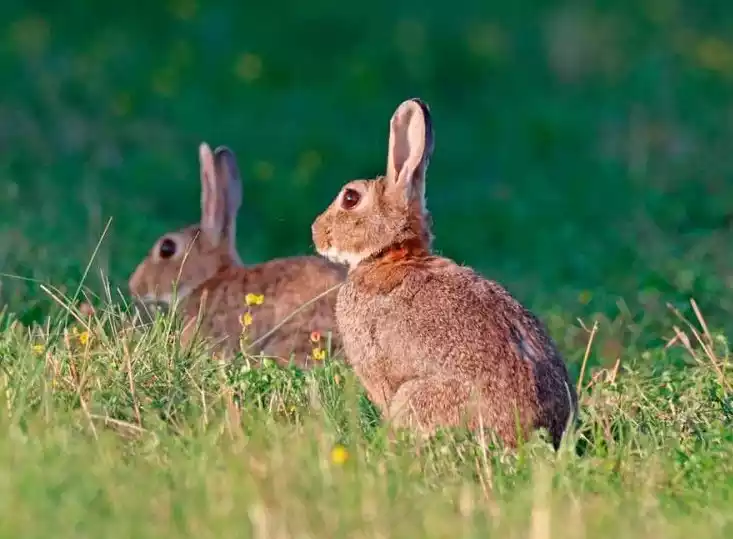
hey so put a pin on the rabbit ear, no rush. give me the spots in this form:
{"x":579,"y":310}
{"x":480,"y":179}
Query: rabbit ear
{"x":410,"y":148}
{"x":213,"y":197}
{"x":228,"y":174}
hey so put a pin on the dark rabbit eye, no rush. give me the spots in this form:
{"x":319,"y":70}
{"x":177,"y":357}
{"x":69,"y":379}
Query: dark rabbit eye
{"x":350,"y":199}
{"x":167,"y":248}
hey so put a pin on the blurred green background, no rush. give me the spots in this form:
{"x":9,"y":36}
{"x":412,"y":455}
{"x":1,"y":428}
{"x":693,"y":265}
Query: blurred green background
{"x":583,"y":151}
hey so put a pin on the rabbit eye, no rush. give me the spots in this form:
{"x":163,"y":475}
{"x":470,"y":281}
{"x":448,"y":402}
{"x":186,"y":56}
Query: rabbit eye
{"x":350,"y":199}
{"x":167,"y":248}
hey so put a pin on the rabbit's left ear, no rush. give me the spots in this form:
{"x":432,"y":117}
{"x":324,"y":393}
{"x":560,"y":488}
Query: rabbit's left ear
{"x":228,"y":173}
{"x":221,"y":195}
{"x":410,"y":148}
{"x":213,"y":197}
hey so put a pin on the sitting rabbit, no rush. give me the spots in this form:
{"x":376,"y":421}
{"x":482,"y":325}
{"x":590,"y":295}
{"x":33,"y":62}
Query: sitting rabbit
{"x":200,"y":263}
{"x":434,"y":343}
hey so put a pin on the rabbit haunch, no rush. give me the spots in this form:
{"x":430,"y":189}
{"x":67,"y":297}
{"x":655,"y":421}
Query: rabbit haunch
{"x":434,"y":343}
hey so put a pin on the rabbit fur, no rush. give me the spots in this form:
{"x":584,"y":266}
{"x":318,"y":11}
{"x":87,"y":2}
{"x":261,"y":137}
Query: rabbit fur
{"x":434,"y":343}
{"x":200,"y":266}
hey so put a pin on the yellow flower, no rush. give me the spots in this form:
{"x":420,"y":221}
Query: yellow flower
{"x":715,"y":54}
{"x":319,"y":354}
{"x":246,"y":319}
{"x":263,"y":170}
{"x":37,"y":349}
{"x":248,"y":67}
{"x":30,"y":35}
{"x":254,"y":299}
{"x":339,"y":454}
{"x":84,"y":338}
{"x":184,"y":9}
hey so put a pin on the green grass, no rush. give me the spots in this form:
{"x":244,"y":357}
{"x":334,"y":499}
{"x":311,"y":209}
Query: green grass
{"x":582,"y":158}
{"x":126,"y":435}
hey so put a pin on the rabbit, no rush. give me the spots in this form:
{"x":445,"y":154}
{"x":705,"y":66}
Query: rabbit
{"x":434,"y":343}
{"x":201,"y":264}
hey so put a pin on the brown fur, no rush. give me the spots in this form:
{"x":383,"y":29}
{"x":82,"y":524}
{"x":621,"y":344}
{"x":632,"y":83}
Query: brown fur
{"x":434,"y":343}
{"x":206,"y":274}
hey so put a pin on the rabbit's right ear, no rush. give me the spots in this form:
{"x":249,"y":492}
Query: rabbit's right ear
{"x":410,"y":149}
{"x":213,"y":198}
{"x":228,"y":173}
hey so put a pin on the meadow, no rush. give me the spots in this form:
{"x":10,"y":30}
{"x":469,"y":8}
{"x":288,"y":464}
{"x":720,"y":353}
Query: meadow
{"x":582,"y":159}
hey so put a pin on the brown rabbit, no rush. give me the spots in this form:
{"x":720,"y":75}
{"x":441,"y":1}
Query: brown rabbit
{"x":200,"y":263}
{"x":434,"y":343}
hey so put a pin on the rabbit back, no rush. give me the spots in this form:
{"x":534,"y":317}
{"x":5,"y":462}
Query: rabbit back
{"x":287,"y":285}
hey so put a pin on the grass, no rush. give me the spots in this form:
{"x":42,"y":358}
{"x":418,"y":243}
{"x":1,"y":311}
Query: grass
{"x":582,"y":159}
{"x":113,"y":432}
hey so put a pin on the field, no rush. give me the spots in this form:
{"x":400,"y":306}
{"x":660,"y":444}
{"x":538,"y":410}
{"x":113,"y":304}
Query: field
{"x":582,"y":159}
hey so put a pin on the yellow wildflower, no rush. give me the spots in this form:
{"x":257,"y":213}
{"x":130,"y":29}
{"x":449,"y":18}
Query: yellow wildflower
{"x":319,"y":354}
{"x":246,"y":319}
{"x":84,"y":338}
{"x":248,"y":67}
{"x":37,"y":349}
{"x":339,"y":454}
{"x":184,"y":9}
{"x":254,"y":299}
{"x":264,"y":170}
